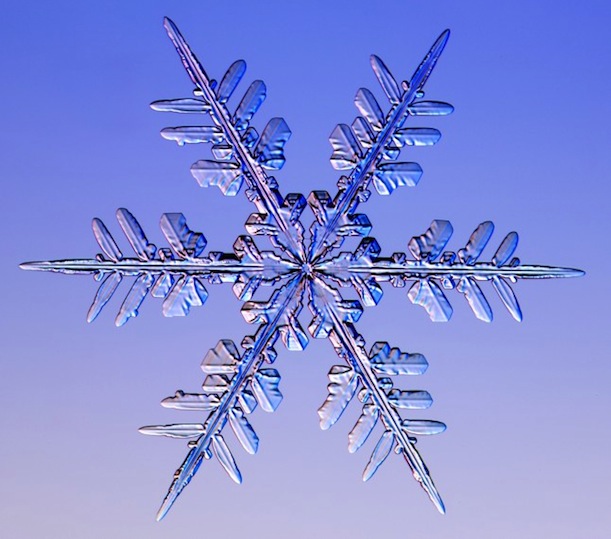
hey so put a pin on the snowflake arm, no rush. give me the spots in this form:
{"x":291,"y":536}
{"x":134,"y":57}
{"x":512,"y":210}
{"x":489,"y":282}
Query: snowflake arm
{"x":233,"y":388}
{"x":432,"y":270}
{"x":334,"y":319}
{"x":371,"y":139}
{"x":175,"y":275}
{"x":243,"y":155}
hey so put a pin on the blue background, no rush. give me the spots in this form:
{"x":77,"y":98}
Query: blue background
{"x":526,"y":453}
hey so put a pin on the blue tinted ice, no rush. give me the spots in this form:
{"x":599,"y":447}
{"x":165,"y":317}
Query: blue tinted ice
{"x":296,"y":255}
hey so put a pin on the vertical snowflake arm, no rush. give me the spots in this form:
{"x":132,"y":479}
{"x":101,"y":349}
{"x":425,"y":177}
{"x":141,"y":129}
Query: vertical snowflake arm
{"x":371,"y":139}
{"x":334,"y":319}
{"x":241,"y":154}
{"x":233,"y":388}
{"x":434,"y":269}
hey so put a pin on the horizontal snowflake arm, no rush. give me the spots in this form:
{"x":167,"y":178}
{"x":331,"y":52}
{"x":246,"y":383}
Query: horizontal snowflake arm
{"x":175,"y":275}
{"x":241,"y":153}
{"x":432,"y":266}
{"x":334,"y":319}
{"x":363,"y":146}
{"x":225,"y":266}
{"x":233,"y":388}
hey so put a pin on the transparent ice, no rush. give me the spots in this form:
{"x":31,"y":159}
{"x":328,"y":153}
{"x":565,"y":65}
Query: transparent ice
{"x":304,"y":269}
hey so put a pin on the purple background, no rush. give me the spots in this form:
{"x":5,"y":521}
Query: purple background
{"x":526,"y":453}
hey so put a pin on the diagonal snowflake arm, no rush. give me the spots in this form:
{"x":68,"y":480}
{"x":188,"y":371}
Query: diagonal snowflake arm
{"x":242,"y":155}
{"x":234,"y":386}
{"x":370,"y":140}
{"x":334,"y":319}
{"x":433,"y":269}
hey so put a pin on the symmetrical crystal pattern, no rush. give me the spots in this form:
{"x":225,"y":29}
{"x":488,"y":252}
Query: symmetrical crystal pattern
{"x":303,"y":268}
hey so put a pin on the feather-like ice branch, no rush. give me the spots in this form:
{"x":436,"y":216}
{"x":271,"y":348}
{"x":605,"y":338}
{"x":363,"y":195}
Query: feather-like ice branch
{"x":371,"y":139}
{"x":334,"y":318}
{"x":244,"y":154}
{"x":233,"y":387}
{"x":175,"y":275}
{"x":434,"y":269}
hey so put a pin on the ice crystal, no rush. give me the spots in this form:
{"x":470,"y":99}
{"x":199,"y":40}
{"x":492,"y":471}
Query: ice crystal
{"x":304,"y":269}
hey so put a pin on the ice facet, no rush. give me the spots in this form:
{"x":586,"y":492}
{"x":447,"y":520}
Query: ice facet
{"x":417,"y":136}
{"x":379,"y":455}
{"x":216,"y":383}
{"x":363,"y":132}
{"x":184,"y":242}
{"x":106,"y":241}
{"x":252,"y":100}
{"x":192,"y":134}
{"x":243,"y":431}
{"x":224,"y":456}
{"x":428,"y":246}
{"x":346,"y":150}
{"x":187,"y":105}
{"x":369,"y":108}
{"x":270,"y":149}
{"x":410,"y":400}
{"x":393,"y":362}
{"x":181,"y":430}
{"x":364,"y":425}
{"x":507,"y":297}
{"x":187,"y":292}
{"x":476,"y":299}
{"x":341,"y":390}
{"x":222,"y":359}
{"x":478,"y":240}
{"x":105,"y":292}
{"x":429,"y":295}
{"x":389,"y":176}
{"x":226,"y":175}
{"x":135,"y":297}
{"x":387,"y":81}
{"x":265,"y":387}
{"x":506,"y":249}
{"x":230,"y":81}
{"x":135,"y":235}
{"x":423,"y":427}
{"x":200,"y":402}
{"x":430,"y":108}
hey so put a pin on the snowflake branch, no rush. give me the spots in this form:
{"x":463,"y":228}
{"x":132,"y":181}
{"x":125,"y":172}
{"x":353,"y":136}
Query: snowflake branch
{"x":383,"y":145}
{"x":264,"y":192}
{"x":244,"y":373}
{"x":334,"y":319}
{"x":365,"y":269}
{"x":174,"y":275}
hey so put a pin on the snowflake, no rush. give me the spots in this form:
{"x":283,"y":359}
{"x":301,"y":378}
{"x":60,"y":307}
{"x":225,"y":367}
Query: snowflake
{"x":302,"y":269}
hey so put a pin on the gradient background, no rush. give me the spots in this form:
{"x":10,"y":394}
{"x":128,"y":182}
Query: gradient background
{"x":526,"y":453}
